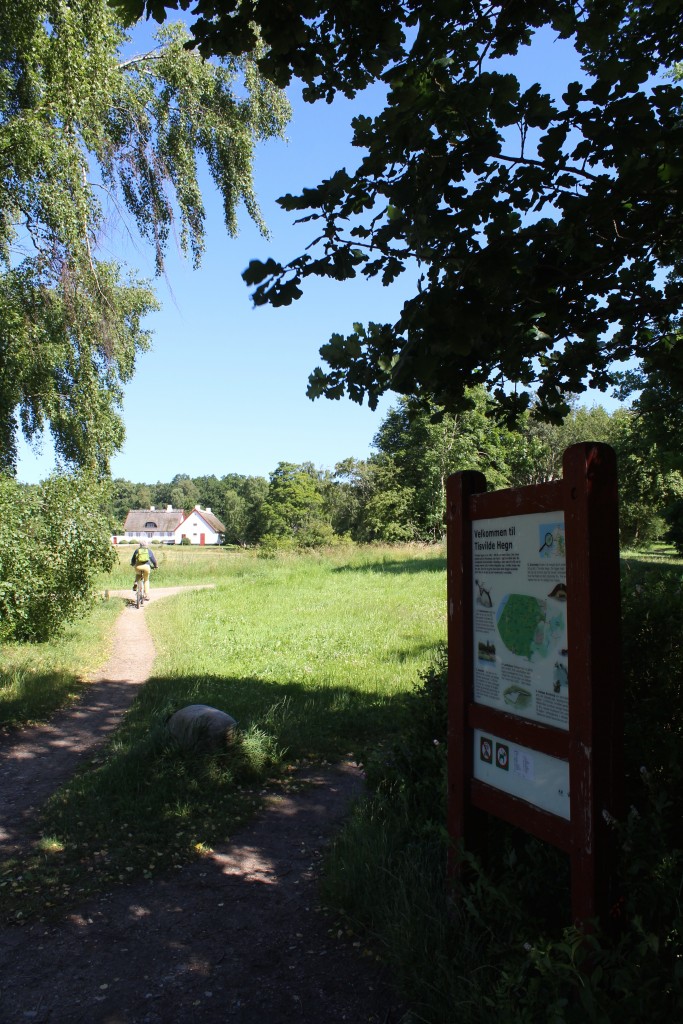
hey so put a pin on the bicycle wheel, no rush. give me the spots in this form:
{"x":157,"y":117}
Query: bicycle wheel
{"x":140,"y":592}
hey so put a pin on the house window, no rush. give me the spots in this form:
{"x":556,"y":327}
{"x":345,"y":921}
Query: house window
{"x":150,"y":526}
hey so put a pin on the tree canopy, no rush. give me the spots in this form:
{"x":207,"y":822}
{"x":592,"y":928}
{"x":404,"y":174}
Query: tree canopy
{"x":89,"y":133}
{"x":545,"y":225}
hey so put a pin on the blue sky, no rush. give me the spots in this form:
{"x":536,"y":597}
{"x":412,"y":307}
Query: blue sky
{"x":223,"y":389}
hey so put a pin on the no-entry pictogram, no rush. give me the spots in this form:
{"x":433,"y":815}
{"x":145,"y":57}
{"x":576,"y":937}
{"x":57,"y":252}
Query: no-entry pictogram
{"x":486,"y":749}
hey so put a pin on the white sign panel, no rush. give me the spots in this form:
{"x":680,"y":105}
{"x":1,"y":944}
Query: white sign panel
{"x":520,"y":620}
{"x":539,"y":779}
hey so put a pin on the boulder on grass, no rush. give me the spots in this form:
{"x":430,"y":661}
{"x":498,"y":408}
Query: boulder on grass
{"x":201,"y":727}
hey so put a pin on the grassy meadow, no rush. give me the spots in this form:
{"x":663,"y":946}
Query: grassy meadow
{"x":313,"y":654}
{"x":318,"y":648}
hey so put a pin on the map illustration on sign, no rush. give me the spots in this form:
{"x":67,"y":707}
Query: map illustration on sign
{"x":526,"y":627}
{"x":520,"y":616}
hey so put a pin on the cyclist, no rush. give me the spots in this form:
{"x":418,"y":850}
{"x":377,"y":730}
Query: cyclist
{"x":143,"y":561}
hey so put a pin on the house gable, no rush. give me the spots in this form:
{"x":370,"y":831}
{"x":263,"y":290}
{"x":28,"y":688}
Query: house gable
{"x":200,"y":526}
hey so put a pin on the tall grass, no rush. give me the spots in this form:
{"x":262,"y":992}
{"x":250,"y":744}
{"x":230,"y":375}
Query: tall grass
{"x":179,"y":565}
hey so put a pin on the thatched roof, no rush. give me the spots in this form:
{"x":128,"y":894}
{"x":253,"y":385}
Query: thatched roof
{"x":142,"y":520}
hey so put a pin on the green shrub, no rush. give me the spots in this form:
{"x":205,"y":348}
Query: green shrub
{"x":53,"y":544}
{"x":272,"y":545}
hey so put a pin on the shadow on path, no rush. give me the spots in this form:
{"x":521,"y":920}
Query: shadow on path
{"x":236,"y":936}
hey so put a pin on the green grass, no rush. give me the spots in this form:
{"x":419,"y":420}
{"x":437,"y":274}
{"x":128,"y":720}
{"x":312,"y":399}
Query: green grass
{"x":36,"y":679}
{"x":655,"y":555}
{"x":317,"y":647}
{"x":178,"y":565}
{"x":314,"y":655}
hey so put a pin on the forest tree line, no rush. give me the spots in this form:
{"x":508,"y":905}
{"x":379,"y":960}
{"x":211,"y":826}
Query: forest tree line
{"x":398,"y":493}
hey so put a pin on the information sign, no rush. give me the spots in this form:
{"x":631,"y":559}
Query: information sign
{"x":535,"y":724}
{"x":520,"y":621}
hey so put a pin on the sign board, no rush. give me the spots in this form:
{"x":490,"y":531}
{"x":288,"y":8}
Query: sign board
{"x":520,"y":616}
{"x":535,"y":722}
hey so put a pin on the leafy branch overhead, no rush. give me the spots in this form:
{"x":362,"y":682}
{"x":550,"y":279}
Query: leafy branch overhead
{"x":542,"y":226}
{"x":93,"y":136}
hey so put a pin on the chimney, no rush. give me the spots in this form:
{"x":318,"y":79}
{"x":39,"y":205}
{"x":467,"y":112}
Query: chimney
{"x":207,"y":509}
{"x":169,"y":508}
{"x":152,"y":508}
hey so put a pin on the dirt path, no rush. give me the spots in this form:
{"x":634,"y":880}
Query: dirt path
{"x":37,"y":761}
{"x":235,"y":937}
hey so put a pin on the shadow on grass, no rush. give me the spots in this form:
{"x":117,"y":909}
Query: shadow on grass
{"x":142,"y":805}
{"x":138,"y":804}
{"x":34,"y":696}
{"x":398,"y":566}
{"x":306,"y":721}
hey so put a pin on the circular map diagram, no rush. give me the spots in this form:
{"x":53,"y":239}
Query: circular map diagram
{"x":522,"y":625}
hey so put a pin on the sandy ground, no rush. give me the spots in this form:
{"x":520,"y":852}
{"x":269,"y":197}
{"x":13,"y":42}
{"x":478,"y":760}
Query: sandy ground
{"x":237,"y":936}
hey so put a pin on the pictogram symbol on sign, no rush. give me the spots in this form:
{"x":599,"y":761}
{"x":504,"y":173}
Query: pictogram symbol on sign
{"x":486,"y":750}
{"x":503,"y":756}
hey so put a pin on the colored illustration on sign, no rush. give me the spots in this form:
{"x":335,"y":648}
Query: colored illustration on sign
{"x":517,"y":696}
{"x":525,"y":626}
{"x":551,"y":540}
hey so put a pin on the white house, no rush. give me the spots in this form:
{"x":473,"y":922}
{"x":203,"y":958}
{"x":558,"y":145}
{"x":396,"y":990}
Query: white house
{"x":151,"y":524}
{"x":201,"y":526}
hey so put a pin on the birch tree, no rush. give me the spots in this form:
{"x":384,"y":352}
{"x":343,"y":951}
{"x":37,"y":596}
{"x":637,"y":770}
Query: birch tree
{"x":91,"y":135}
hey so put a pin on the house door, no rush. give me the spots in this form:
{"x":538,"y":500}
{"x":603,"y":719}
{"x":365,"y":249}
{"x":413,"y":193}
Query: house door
{"x":202,"y":538}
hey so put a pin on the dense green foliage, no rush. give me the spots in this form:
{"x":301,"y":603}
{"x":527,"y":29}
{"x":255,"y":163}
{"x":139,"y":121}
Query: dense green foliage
{"x":293,"y":507}
{"x":54,"y":543}
{"x":91,"y":135}
{"x":502,"y":948}
{"x":544,"y":221}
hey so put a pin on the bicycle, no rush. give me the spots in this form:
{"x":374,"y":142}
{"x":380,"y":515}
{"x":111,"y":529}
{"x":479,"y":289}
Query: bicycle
{"x":139,"y":590}
{"x":140,"y":587}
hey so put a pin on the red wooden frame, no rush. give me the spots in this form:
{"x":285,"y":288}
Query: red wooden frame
{"x":593,"y":744}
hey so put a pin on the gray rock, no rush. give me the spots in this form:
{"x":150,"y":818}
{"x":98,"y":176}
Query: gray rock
{"x":201,"y":727}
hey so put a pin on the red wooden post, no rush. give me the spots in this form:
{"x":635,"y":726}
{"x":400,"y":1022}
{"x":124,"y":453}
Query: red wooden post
{"x":460,"y":647}
{"x":595,"y":693}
